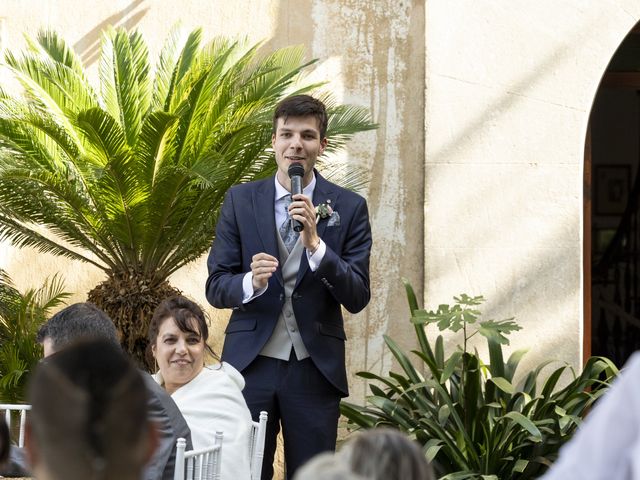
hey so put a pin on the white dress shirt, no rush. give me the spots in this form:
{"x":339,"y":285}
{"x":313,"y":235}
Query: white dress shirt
{"x":281,"y":215}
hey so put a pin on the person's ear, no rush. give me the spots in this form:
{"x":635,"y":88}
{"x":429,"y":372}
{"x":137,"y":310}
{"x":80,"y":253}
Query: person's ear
{"x":154,"y":441}
{"x":323,"y":145}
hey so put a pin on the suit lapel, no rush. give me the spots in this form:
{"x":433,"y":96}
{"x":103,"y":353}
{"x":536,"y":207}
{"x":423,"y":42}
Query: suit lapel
{"x":263,"y":205}
{"x":323,"y":193}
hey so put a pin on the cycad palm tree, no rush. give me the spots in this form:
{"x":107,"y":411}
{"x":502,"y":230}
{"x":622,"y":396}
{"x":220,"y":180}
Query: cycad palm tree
{"x":130,"y":177}
{"x":21,"y":315}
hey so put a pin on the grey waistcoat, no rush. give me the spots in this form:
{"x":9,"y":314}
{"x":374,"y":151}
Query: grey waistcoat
{"x":286,"y":334}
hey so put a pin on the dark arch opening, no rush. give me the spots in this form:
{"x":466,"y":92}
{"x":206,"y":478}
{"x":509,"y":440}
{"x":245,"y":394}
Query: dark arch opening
{"x":612,"y":209}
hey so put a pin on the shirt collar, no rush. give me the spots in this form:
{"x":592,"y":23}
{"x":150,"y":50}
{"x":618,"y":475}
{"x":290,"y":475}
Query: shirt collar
{"x":283,"y":192}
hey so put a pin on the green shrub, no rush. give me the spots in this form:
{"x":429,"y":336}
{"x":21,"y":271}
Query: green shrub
{"x":473,"y":420}
{"x":21,"y":315}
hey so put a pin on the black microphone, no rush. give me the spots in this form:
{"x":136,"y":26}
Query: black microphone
{"x":296,"y":172}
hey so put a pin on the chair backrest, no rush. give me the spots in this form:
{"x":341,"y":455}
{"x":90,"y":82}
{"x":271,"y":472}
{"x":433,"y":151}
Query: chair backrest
{"x":256,"y":446}
{"x":12,"y":411}
{"x":202,"y":464}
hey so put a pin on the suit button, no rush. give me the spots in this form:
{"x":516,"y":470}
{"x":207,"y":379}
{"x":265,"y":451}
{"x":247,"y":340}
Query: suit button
{"x":288,"y":314}
{"x":293,"y":329}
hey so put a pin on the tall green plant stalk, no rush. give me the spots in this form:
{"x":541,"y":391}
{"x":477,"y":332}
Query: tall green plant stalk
{"x":473,"y":419}
{"x":129,"y":175}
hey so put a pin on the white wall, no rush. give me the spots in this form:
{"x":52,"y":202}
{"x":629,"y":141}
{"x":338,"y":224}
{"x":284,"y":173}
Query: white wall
{"x":510,"y":86}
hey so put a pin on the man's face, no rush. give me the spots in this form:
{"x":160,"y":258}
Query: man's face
{"x":297,"y":140}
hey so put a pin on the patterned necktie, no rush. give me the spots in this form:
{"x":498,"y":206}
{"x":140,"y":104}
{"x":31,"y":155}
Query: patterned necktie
{"x":289,"y":236}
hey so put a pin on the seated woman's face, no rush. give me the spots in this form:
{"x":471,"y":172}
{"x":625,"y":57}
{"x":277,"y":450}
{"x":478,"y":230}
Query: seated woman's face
{"x":180,"y":355}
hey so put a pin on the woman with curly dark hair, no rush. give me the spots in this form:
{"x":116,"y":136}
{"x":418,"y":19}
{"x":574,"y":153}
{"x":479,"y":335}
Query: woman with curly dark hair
{"x":209,"y":395}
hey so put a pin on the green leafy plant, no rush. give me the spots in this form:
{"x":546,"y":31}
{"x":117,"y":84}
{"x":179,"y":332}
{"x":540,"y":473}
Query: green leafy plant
{"x":21,"y":315}
{"x":129,"y":176}
{"x":474,"y":420}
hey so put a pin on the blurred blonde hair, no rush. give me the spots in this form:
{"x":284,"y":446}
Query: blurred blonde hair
{"x":326,"y":466}
{"x":385,"y":454}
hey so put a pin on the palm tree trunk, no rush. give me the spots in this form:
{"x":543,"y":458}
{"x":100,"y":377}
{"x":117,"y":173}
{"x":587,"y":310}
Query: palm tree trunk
{"x":130,"y":301}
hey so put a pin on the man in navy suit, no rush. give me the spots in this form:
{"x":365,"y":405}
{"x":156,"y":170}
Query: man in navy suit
{"x":286,"y":332}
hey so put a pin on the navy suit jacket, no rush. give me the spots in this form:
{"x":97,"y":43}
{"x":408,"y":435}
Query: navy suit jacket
{"x":247,"y":226}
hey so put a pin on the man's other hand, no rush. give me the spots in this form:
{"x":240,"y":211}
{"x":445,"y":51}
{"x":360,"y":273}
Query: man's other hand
{"x":262,"y":267}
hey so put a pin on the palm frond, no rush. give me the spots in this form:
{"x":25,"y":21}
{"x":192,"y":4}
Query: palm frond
{"x":58,"y":50}
{"x":353,"y":177}
{"x":103,"y":135}
{"x":126,"y":86}
{"x":40,"y":92}
{"x":181,"y":76}
{"x":22,"y":236}
{"x":344,"y":122}
{"x":165,"y":67}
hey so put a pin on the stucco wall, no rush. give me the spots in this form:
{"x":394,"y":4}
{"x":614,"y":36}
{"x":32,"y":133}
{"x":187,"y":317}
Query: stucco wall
{"x":372,"y":53}
{"x":510,"y":86}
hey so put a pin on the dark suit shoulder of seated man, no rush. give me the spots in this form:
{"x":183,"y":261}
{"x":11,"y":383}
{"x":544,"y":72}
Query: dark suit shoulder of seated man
{"x":170,"y":425}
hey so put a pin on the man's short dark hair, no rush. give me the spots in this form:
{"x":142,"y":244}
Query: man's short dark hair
{"x":75,"y":322}
{"x":89,"y":413}
{"x":302,"y":106}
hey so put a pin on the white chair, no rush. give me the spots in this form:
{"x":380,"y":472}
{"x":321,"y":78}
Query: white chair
{"x":256,"y":445}
{"x":10,"y":411}
{"x":202,"y":464}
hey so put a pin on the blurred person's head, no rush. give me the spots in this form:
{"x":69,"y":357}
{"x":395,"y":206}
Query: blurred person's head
{"x":386,"y":454}
{"x":326,"y":466}
{"x":89,"y":415}
{"x":73,"y":323}
{"x":178,"y":335}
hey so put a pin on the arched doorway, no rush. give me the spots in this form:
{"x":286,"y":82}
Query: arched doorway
{"x":612,"y":209}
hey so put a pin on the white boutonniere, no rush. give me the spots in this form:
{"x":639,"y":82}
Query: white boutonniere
{"x":325,"y":210}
